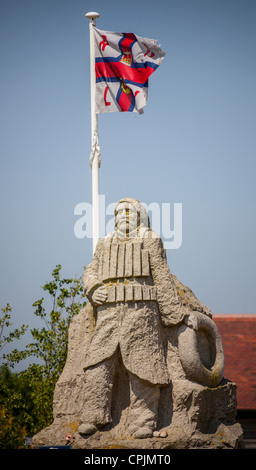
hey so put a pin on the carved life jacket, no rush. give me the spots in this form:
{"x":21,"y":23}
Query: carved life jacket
{"x":125,"y":269}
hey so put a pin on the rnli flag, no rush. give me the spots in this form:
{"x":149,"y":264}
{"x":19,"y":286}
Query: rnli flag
{"x":123,"y":64}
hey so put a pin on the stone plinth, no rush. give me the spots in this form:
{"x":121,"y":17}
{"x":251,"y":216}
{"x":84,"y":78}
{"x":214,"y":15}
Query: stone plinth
{"x":195,"y":416}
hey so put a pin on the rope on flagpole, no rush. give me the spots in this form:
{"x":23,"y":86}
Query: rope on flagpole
{"x":95,"y":152}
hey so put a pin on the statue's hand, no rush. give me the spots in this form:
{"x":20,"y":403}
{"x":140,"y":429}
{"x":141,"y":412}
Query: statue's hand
{"x":99,"y":296}
{"x":191,"y":321}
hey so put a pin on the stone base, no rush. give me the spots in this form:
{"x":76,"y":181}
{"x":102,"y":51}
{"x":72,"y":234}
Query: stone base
{"x":194,"y":415}
{"x":225,"y":437}
{"x":200,"y":417}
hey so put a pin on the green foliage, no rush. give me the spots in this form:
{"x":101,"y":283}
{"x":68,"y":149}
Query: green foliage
{"x":26,"y":397}
{"x":12,"y":410}
{"x":5,"y":323}
{"x":25,"y":404}
{"x":50,"y":342}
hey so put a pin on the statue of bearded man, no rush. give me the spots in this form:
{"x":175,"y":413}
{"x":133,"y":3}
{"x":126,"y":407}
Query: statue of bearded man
{"x":134,"y":296}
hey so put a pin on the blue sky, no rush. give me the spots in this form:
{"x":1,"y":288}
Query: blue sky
{"x":194,"y":144}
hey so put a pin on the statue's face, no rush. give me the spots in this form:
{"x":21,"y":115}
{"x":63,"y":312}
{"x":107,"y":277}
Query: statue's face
{"x":125,"y":218}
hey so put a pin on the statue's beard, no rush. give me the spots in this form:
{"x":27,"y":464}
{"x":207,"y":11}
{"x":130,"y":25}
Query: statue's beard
{"x":126,"y":230}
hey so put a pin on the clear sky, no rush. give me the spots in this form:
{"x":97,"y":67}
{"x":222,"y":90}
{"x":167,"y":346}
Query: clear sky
{"x":194,"y":144}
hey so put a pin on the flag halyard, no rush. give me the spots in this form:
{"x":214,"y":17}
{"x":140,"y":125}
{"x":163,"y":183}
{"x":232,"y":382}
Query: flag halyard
{"x":123,"y":64}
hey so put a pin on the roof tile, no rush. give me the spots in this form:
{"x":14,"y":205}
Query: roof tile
{"x":238,"y":334}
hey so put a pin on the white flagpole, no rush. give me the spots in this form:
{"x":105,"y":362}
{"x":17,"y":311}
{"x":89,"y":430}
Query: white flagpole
{"x":95,"y":157}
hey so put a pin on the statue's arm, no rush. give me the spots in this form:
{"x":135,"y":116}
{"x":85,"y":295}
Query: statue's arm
{"x":94,"y":288}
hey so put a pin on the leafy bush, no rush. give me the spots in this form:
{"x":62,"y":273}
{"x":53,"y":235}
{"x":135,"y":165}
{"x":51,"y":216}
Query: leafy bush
{"x":26,"y":397}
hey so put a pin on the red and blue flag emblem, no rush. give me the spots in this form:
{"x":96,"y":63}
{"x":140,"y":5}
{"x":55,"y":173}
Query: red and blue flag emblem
{"x":123,"y":64}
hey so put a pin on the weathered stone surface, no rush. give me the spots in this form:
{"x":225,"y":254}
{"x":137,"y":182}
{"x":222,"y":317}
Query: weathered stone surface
{"x":193,"y":415}
{"x":130,"y":371}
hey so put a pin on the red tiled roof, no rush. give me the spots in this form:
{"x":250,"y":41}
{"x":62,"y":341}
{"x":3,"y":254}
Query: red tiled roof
{"x":238,"y":334}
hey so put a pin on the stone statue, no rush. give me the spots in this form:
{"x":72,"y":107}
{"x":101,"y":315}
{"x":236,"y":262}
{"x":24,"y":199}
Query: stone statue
{"x":145,"y":358}
{"x":130,"y":286}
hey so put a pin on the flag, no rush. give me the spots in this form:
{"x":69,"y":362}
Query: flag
{"x":123,"y":64}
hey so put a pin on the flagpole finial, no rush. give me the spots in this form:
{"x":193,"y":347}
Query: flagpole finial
{"x":92,"y":15}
